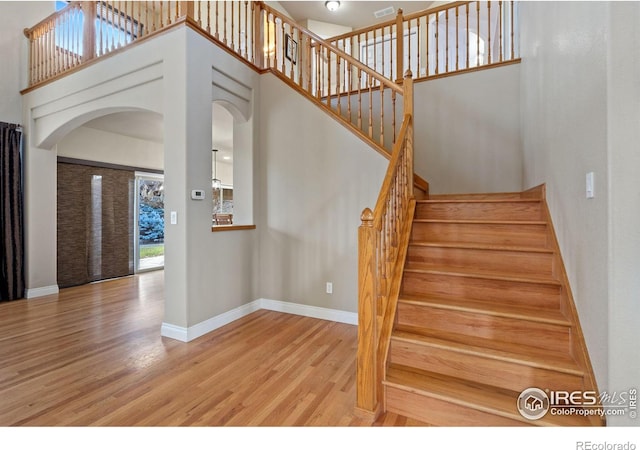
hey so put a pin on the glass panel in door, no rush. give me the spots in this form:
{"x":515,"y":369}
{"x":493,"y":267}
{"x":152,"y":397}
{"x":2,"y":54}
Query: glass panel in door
{"x":150,"y":223}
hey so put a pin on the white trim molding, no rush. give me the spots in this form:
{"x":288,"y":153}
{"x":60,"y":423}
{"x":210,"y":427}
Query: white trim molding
{"x":41,"y":291}
{"x":200,"y":329}
{"x":317,"y":312}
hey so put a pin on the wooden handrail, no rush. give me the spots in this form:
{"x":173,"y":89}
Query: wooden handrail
{"x":348,"y":58}
{"x":383,"y":239}
{"x":439,"y":40}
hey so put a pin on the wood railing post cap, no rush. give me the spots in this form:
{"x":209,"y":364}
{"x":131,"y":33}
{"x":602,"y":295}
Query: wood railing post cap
{"x":408,"y":74}
{"x":367,"y":217}
{"x":399,"y":11}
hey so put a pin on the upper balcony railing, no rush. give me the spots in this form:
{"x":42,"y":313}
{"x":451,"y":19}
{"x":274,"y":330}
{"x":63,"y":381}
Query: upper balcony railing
{"x":355,"y":94}
{"x":454,"y":37}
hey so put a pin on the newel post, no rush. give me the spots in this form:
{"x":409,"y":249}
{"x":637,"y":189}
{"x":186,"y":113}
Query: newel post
{"x":89,"y":11}
{"x":187,"y":9}
{"x":366,"y":376}
{"x":407,"y":98}
{"x":399,"y":44}
{"x":258,"y":41}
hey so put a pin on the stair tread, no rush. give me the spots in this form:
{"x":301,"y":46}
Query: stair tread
{"x":480,"y":246}
{"x":499,"y":350}
{"x":469,"y":394}
{"x":515,"y":311}
{"x":482,"y":222}
{"x":418,"y":267}
{"x":505,"y":195}
{"x":482,"y":200}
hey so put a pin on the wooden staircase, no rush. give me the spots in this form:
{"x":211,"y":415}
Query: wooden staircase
{"x":484,"y":312}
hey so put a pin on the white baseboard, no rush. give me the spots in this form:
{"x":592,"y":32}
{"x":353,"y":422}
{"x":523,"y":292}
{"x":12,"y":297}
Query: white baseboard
{"x":200,"y":329}
{"x":334,"y":315}
{"x":174,"y":332}
{"x":42,"y":291}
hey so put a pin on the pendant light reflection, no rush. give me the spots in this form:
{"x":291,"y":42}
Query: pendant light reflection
{"x":215,"y":182}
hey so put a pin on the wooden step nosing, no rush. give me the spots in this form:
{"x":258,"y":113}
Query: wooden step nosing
{"x":454,"y":400}
{"x":480,"y":246}
{"x":478,"y":310}
{"x":488,"y":354}
{"x":486,"y":276}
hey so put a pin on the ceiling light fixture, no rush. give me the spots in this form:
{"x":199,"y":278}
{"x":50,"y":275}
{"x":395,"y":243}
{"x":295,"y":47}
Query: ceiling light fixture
{"x":332,"y":5}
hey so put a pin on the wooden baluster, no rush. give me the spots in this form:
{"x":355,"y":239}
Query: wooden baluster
{"x":293,"y":56}
{"x":153,"y":14}
{"x":489,"y":32}
{"x":399,"y":43}
{"x":239,"y":27}
{"x":119,"y":24}
{"x":393,"y":110}
{"x":257,"y":35}
{"x":446,"y":46}
{"x":408,"y":43}
{"x":349,"y":76}
{"x":161,"y":2}
{"x":501,"y":58}
{"x":512,"y":29}
{"x":418,"y":45}
{"x":224,"y":24}
{"x":217,"y":35}
{"x":46,"y":51}
{"x":359,"y":99}
{"x":338,"y":84}
{"x":308,"y":75}
{"x":391,"y":66}
{"x":375,"y":51}
{"x":208,"y":27}
{"x":428,"y":31}
{"x":232,"y":25}
{"x":382,"y":114}
{"x":478,"y":33}
{"x":283,"y":40}
{"x":457,"y":39}
{"x":246,"y":28}
{"x":328,"y":78}
{"x":366,"y":364}
{"x":437,"y":43}
{"x":467,"y":37}
{"x":370,"y":84}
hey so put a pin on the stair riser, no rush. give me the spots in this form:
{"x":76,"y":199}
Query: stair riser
{"x":510,"y":262}
{"x":480,"y":369}
{"x":441,"y":413}
{"x":535,"y":334}
{"x":529,"y":235}
{"x":528,"y":211}
{"x":506,"y":292}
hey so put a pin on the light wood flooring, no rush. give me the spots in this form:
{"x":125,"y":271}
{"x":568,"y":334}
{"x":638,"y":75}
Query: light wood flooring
{"x":93,"y":355}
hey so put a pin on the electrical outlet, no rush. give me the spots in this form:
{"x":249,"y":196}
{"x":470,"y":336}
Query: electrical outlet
{"x":329,"y":287}
{"x":174,"y":217}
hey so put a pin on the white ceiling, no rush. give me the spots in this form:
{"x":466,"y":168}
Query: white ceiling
{"x":353,"y":13}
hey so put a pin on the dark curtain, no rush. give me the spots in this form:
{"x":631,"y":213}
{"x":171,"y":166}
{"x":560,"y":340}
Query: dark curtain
{"x":95,"y":223}
{"x":11,"y":207}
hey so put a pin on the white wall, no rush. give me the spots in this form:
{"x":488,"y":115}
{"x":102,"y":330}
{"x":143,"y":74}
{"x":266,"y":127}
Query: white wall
{"x":624,"y":199}
{"x":323,"y":29}
{"x":315,"y":179}
{"x":99,"y":145}
{"x":467,"y":132}
{"x":580,"y":112}
{"x":14,"y":18}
